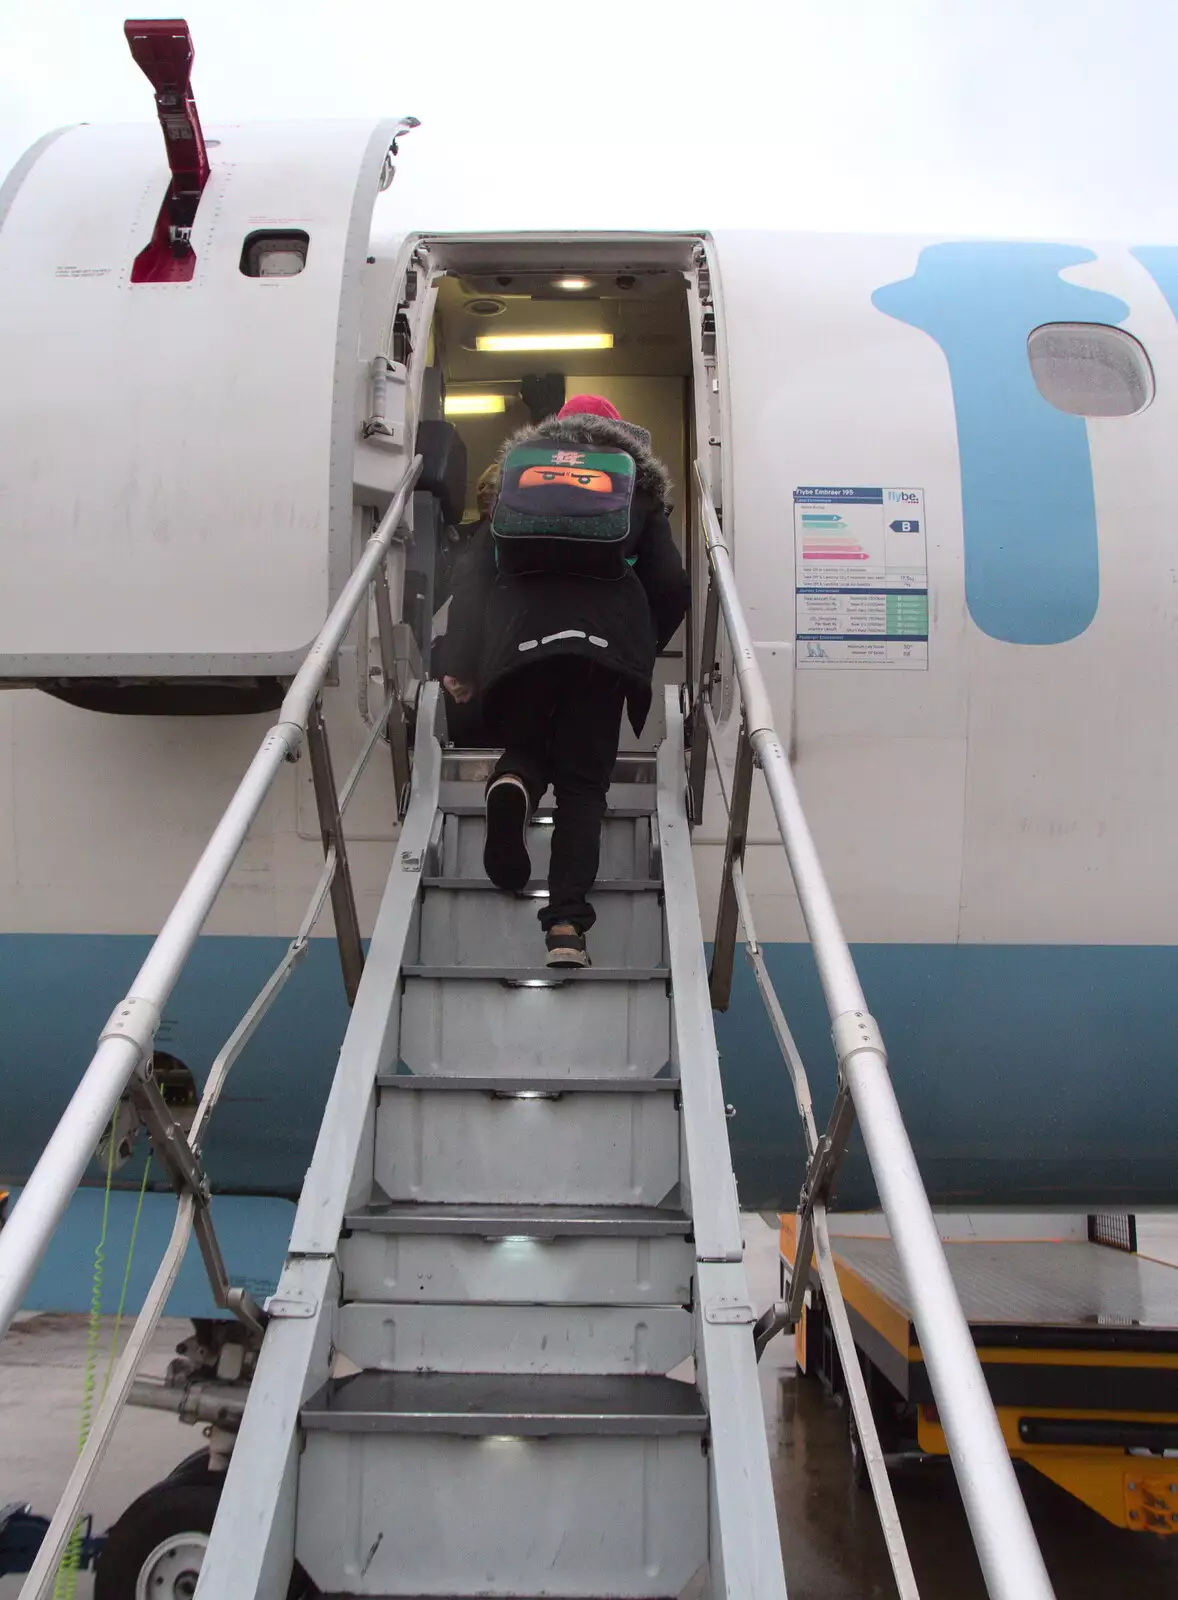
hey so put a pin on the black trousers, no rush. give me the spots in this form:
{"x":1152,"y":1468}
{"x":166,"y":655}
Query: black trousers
{"x":559,"y":722}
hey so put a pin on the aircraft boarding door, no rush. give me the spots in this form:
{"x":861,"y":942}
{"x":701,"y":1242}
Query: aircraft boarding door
{"x":839,"y":447}
{"x":183,"y":460}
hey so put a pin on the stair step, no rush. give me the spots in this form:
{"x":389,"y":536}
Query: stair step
{"x":522,"y":1222}
{"x":395,"y":1337}
{"x":537,"y":888}
{"x":433,"y":1514}
{"x":607,"y":1148}
{"x":626,"y":850}
{"x":625,"y":810}
{"x":540,"y":977}
{"x":476,"y":764}
{"x":625,"y":795}
{"x":469,"y":929}
{"x":527,"y":1088}
{"x":514,"y":1405}
{"x":509,"y":1269}
{"x":556,"y":1030}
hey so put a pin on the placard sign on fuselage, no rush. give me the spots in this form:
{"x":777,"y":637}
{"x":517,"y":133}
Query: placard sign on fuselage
{"x":861,"y":577}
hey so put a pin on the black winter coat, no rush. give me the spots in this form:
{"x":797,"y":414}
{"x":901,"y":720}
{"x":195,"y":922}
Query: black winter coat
{"x":498,"y":623}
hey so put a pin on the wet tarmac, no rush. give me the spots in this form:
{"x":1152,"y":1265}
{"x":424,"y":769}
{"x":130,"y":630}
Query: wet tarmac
{"x":833,"y":1548}
{"x":830,"y":1536}
{"x":831,"y":1541}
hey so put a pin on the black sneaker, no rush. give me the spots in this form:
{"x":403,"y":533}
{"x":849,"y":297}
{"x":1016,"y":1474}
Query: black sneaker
{"x":505,"y":853}
{"x":566,"y":949}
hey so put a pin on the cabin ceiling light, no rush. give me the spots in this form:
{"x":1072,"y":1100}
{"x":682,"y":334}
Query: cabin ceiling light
{"x":475,"y":405}
{"x":572,"y":284}
{"x":505,"y":343}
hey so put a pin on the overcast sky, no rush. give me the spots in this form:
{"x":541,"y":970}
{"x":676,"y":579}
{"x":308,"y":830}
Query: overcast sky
{"x":1019,"y":117}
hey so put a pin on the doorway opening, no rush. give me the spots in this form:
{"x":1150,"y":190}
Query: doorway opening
{"x":520,"y":325}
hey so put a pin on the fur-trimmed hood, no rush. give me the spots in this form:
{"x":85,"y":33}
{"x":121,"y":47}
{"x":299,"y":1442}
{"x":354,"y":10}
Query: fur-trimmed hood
{"x":592,"y":432}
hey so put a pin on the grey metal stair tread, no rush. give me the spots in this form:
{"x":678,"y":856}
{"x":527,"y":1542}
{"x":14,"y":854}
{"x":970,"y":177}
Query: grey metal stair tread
{"x":628,"y":811}
{"x":533,"y":1088}
{"x":538,"y":887}
{"x":505,"y":1404}
{"x":520,"y":1221}
{"x":548,"y":977}
{"x":631,"y":766}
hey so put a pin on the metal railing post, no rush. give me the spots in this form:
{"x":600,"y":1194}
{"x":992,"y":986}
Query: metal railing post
{"x":697,"y":766}
{"x":343,"y":897}
{"x":397,"y":731}
{"x":727,"y":912}
{"x":1011,"y":1561}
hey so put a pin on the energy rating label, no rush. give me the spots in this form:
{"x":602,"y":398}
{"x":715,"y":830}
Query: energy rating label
{"x":861,"y":578}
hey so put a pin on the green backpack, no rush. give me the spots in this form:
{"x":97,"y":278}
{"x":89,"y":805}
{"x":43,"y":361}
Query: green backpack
{"x":564,"y":510}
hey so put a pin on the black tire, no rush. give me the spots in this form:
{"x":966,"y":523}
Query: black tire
{"x":166,"y":1512}
{"x":814,"y":1332}
{"x":193,"y":1469}
{"x":170,"y":1509}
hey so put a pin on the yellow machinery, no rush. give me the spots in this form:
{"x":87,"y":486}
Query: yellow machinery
{"x":1078,"y":1338}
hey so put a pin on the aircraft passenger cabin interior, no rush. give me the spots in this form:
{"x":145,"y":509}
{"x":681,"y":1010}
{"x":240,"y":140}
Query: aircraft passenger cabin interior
{"x":508,"y":347}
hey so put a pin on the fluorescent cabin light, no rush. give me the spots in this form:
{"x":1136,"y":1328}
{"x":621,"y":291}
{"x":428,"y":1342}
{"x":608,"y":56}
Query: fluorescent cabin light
{"x":475,"y":405}
{"x":505,"y":342}
{"x":572,"y":284}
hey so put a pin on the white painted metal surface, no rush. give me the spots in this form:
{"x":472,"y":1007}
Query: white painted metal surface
{"x":975,"y":812}
{"x":595,"y":1149}
{"x":517,"y":1271}
{"x":585,"y":1518}
{"x":215,"y":441}
{"x":963,"y":803}
{"x":515,"y":1338}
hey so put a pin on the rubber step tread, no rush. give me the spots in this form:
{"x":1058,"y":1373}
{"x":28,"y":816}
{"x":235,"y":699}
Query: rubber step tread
{"x":544,"y":977}
{"x":527,"y":1088}
{"x":515,"y":1405}
{"x":627,"y":812}
{"x":520,"y":1221}
{"x":537,"y":886}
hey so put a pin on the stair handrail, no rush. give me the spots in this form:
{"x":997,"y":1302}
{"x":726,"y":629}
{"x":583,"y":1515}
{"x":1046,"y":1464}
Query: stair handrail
{"x":1011,"y":1561}
{"x":125,"y":1044}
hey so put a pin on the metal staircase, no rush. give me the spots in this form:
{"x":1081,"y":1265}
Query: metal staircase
{"x":512,"y":1351}
{"x":539,"y":1226}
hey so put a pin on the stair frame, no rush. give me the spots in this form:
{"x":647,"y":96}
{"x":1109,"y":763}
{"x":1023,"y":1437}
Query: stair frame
{"x":252,"y":1548}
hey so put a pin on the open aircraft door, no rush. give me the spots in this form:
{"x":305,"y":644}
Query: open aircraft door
{"x":129,"y":267}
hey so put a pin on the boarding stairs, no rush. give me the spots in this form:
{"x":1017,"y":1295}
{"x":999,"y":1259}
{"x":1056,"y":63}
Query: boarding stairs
{"x":539,"y":1228}
{"x":512,"y":1351}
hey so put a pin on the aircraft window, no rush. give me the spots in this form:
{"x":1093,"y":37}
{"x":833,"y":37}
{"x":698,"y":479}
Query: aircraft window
{"x":270,"y":254}
{"x":1090,"y":369}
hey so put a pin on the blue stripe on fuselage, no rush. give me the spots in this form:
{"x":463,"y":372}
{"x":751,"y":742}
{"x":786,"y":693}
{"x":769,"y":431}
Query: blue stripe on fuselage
{"x":1031,"y":1075}
{"x":1028,"y":1075}
{"x":57,"y":991}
